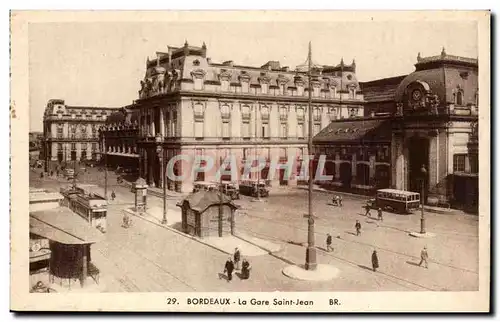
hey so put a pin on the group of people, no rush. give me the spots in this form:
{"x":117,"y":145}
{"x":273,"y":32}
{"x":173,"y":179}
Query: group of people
{"x":234,"y":264}
{"x":337,"y":200}
{"x":380,"y":215}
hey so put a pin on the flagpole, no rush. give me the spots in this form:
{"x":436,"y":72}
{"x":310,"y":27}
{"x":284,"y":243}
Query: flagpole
{"x":311,"y":249}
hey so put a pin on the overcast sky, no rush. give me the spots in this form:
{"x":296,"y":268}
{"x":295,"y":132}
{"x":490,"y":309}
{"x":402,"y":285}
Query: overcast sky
{"x":101,"y":64}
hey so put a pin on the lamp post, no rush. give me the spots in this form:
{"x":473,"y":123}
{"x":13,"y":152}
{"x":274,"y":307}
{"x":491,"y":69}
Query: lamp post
{"x":311,"y":263}
{"x":423,"y":173}
{"x":160,"y":151}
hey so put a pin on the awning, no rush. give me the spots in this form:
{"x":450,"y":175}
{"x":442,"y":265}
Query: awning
{"x":355,"y":130}
{"x":63,"y":226}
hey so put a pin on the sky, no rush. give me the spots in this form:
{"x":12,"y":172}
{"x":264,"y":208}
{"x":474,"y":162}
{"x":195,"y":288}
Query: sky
{"x":102,"y":63}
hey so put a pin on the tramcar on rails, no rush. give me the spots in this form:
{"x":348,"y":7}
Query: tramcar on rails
{"x":400,"y":201}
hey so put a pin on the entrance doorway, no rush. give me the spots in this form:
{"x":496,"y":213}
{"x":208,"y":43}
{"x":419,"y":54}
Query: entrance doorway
{"x":418,"y":157}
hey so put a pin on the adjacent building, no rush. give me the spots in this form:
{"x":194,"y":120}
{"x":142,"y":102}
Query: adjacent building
{"x":72,"y":132}
{"x":430,"y":137}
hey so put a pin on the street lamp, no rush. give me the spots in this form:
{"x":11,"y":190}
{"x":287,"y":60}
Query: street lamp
{"x":423,"y":173}
{"x":160,"y":151}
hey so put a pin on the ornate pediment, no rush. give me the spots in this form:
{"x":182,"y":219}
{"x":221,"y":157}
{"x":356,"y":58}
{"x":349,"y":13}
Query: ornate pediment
{"x":264,"y":78}
{"x":198,"y":73}
{"x":225,"y":75}
{"x":281,"y":80}
{"x":244,"y":77}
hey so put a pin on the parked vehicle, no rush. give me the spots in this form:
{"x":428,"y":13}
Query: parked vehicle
{"x":70,"y":173}
{"x":400,"y":201}
{"x":229,"y":189}
{"x":250,"y":188}
{"x":205,"y":186}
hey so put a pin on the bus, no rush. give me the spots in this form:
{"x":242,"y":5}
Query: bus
{"x":400,"y":201}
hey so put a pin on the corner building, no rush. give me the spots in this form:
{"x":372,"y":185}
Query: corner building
{"x":192,"y":106}
{"x":71,"y":133}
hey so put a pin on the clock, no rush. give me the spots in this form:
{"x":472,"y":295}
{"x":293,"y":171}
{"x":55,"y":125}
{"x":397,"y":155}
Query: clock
{"x":416,"y":95}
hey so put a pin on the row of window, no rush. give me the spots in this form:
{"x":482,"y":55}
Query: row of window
{"x":85,"y":117}
{"x":282,"y":89}
{"x":83,"y":146}
{"x":250,"y":152}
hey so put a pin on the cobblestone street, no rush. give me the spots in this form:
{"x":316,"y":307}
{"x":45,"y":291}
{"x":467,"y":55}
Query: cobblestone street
{"x":148,"y":257}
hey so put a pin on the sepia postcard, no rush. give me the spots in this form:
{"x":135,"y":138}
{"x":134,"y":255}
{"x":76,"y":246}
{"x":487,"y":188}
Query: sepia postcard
{"x":250,"y":161}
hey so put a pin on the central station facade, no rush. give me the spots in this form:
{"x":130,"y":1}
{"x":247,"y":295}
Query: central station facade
{"x":192,"y":106}
{"x":406,"y":132}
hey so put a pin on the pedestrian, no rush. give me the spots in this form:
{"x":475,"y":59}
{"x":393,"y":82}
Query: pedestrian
{"x":41,"y":175}
{"x":329,"y":243}
{"x":237,"y":257}
{"x":358,"y":228}
{"x":340,"y":201}
{"x":245,"y":269}
{"x":52,"y":173}
{"x":374,"y":261}
{"x":228,"y":268}
{"x":113,"y":195}
{"x":380,"y":215}
{"x":367,"y":209}
{"x":424,"y":256}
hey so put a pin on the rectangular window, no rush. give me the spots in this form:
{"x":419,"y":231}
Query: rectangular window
{"x":198,"y":84}
{"x":224,"y":86}
{"x":94,"y":146}
{"x":474,"y":165}
{"x":316,"y":91}
{"x":265,"y":130}
{"x":198,"y":129}
{"x":244,"y":87}
{"x":283,"y":130}
{"x":459,"y":162}
{"x":225,"y":130}
{"x":264,"y":88}
{"x":317,"y":128}
{"x":246,"y":129}
{"x":73,"y":146}
{"x":300,"y":130}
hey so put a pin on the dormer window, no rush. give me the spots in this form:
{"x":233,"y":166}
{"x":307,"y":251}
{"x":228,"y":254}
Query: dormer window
{"x":459,"y":98}
{"x":352,"y":92}
{"x":264,"y":88}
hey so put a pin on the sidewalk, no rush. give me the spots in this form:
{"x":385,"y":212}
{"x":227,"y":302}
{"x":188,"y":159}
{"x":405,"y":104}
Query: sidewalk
{"x":249,"y":245}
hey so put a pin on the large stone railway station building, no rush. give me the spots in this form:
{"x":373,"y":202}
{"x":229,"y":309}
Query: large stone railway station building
{"x":375,"y":134}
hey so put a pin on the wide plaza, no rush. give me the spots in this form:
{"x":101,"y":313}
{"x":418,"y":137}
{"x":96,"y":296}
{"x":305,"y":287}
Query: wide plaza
{"x":149,"y":257}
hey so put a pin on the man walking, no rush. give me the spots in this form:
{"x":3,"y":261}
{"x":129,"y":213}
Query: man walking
{"x":423,"y":257}
{"x":358,"y":228}
{"x":367,"y":209}
{"x":340,"y":201}
{"x":374,"y":261}
{"x":380,"y":215}
{"x":228,"y":268}
{"x":113,"y":195}
{"x":329,"y":243}
{"x":237,"y":257}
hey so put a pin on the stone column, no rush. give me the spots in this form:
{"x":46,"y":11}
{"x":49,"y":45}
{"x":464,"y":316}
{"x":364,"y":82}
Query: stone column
{"x":337,"y":167}
{"x":53,"y":147}
{"x":152,"y":122}
{"x":162,"y":122}
{"x":433,"y":162}
{"x":353,"y":169}
{"x":372,"y":169}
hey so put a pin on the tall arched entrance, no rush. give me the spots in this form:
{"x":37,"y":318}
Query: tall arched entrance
{"x":345,"y":174}
{"x":418,"y":149}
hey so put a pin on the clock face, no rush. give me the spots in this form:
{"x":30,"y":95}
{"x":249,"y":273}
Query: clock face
{"x":416,"y":95}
